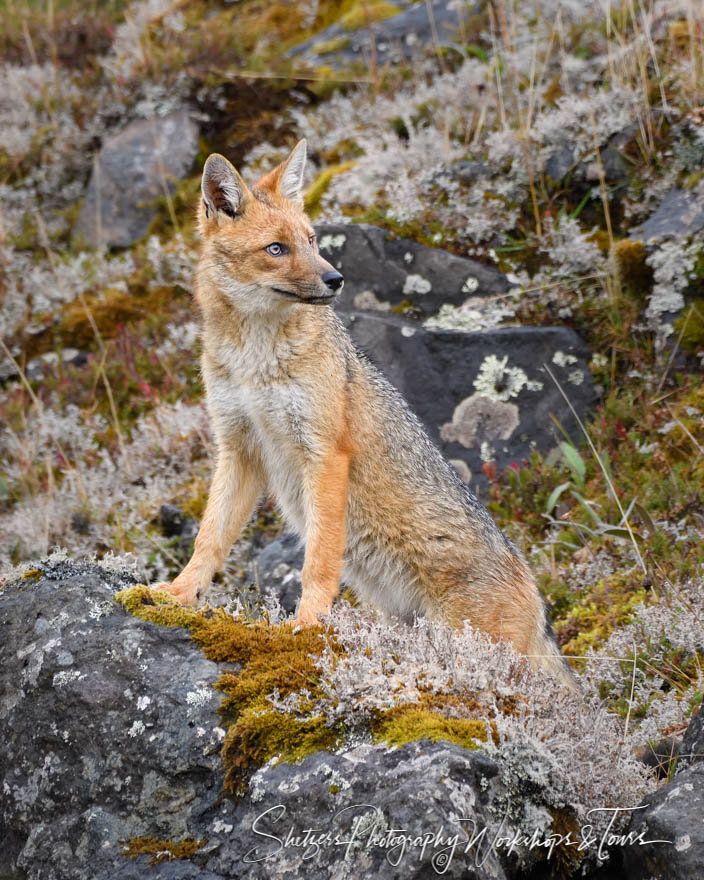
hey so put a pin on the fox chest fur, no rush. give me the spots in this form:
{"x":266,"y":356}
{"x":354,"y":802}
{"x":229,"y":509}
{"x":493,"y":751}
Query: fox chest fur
{"x":261,"y":396}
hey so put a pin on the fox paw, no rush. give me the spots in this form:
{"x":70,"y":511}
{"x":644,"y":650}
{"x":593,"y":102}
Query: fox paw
{"x":185,"y":595}
{"x":308,"y":618}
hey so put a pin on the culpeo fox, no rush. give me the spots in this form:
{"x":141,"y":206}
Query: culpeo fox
{"x":298,"y":412}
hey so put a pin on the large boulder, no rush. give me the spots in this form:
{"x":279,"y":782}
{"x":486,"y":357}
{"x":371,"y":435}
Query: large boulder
{"x":668,"y":828}
{"x":484,"y":395}
{"x":109,"y":727}
{"x":133,"y":169}
{"x":669,"y":823}
{"x":415,"y":29}
{"x":382,"y":272}
{"x":110,"y":735}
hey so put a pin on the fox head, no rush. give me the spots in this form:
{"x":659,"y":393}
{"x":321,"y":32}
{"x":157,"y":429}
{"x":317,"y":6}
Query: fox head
{"x":259,"y":247}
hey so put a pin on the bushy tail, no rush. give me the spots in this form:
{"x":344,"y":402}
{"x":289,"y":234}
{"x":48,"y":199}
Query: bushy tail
{"x":544,"y":652}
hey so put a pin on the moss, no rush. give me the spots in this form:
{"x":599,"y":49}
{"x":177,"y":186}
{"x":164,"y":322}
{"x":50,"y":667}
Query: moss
{"x":327,"y":47}
{"x":635,"y":276}
{"x":155,"y":606}
{"x":691,"y":325}
{"x":258,"y":735}
{"x":32,"y":574}
{"x":162,"y":850}
{"x":404,"y":724}
{"x":108,"y":310}
{"x":363,"y":14}
{"x":320,"y":186}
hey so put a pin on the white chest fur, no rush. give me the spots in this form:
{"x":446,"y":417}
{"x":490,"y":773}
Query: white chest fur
{"x":252,"y":395}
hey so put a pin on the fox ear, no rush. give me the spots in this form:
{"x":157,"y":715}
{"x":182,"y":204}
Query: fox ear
{"x":222,"y":187}
{"x":287,"y":178}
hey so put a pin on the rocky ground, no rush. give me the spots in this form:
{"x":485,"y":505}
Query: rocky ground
{"x":514,"y":195}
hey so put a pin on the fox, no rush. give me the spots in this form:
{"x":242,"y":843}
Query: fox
{"x":300,"y":414}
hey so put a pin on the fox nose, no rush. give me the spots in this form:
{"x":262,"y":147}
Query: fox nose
{"x":333,"y":280}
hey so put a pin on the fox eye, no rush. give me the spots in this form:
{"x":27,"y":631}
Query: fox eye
{"x":276,"y":249}
{"x":311,"y":240}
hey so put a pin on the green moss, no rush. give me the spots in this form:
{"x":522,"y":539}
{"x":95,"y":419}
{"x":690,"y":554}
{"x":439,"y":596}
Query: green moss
{"x":155,"y":606}
{"x":404,"y":724}
{"x":634,"y":274}
{"x":162,"y":850}
{"x":258,"y":735}
{"x":327,"y":47}
{"x":361,"y":15}
{"x":32,"y":574}
{"x":320,"y":186}
{"x":691,"y":325}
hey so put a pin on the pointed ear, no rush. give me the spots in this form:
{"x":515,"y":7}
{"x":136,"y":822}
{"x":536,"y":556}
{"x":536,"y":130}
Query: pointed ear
{"x":287,"y":178}
{"x":222,"y":187}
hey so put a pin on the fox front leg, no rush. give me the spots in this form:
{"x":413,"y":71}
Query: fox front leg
{"x":326,"y":537}
{"x":235,"y":489}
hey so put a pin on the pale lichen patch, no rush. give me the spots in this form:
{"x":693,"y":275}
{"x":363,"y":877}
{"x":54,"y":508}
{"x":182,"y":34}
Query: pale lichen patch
{"x":499,"y":382}
{"x":332,"y":242}
{"x":416,"y":284}
{"x":562,"y":359}
{"x":481,"y":418}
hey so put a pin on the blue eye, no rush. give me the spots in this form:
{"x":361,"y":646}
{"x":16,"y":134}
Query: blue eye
{"x":276,"y":249}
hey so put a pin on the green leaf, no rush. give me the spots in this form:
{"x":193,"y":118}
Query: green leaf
{"x":554,"y":495}
{"x":592,"y":513}
{"x":614,"y":532}
{"x":646,"y":518}
{"x":575,"y":463}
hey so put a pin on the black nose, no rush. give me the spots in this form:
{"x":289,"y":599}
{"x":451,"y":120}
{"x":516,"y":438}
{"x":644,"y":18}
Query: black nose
{"x":333,"y":280}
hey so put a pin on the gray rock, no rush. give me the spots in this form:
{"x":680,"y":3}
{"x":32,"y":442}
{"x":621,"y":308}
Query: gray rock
{"x":109,"y":728}
{"x":175,"y":524}
{"x":693,"y":742}
{"x":680,"y":214}
{"x":560,"y":163}
{"x":131,"y":171}
{"x":381,"y":272}
{"x":397,"y":38}
{"x":444,"y":375}
{"x":277,"y":571}
{"x":671,"y":820}
{"x":468,"y":172}
{"x":357,"y":803}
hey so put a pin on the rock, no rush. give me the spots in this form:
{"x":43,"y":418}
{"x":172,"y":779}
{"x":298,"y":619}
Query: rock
{"x":671,"y":820}
{"x":693,"y":742}
{"x":277,"y":571}
{"x":483,"y":395}
{"x":175,"y":523}
{"x":381,"y":273}
{"x":110,"y":732}
{"x":469,"y":172}
{"x":131,"y":172}
{"x":679,"y":215}
{"x":372,"y":797}
{"x":399,"y":37}
{"x":560,"y":163}
{"x":108,"y":724}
